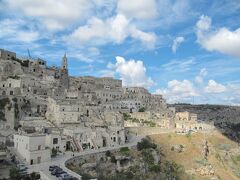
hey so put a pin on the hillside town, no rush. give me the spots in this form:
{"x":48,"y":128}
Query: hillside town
{"x":44,"y":111}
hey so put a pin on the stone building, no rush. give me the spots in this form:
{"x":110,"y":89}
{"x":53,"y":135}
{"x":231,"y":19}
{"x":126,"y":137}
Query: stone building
{"x":87,"y":111}
{"x":7,"y":55}
{"x":32,"y":148}
{"x":186,"y":121}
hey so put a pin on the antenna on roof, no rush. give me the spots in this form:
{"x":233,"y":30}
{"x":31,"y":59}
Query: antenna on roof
{"x":29,"y":55}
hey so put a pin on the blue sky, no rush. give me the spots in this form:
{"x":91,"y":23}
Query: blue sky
{"x":189,"y":51}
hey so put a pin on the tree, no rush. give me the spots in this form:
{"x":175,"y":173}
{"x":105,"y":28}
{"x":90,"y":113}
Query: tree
{"x":145,"y":144}
{"x":14,"y":173}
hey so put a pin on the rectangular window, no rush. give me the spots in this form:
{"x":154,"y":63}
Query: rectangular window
{"x":55,"y":140}
{"x":39,"y":147}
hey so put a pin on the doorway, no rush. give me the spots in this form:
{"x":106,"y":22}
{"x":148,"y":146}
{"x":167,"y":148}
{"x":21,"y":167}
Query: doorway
{"x":68,"y":146}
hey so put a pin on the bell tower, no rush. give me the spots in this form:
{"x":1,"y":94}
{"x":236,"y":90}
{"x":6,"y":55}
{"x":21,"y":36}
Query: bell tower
{"x":64,"y":79}
{"x":64,"y":62}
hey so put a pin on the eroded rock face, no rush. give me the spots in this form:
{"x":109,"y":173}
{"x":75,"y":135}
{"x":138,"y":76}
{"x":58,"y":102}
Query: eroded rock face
{"x":156,"y":157}
{"x":207,"y":170}
{"x":8,"y":68}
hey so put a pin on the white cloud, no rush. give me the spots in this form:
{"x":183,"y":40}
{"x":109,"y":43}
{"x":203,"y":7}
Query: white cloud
{"x":214,"y":93}
{"x":13,"y":30}
{"x":179,"y":65}
{"x":222,"y":40}
{"x":178,"y":91}
{"x":113,"y":30}
{"x":176,"y":43}
{"x":204,"y":23}
{"x":147,"y":39}
{"x":53,"y":14}
{"x":101,"y":32}
{"x":88,"y":55}
{"x":172,"y":12}
{"x":140,"y":9}
{"x":199,"y":78}
{"x":132,"y":72}
{"x":214,"y":87}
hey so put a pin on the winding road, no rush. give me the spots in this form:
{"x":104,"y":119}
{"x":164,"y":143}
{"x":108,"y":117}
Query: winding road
{"x":60,"y":160}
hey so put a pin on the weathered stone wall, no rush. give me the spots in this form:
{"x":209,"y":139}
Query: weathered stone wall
{"x":144,"y":131}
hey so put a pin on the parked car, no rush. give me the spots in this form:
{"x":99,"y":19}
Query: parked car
{"x":64,"y":176}
{"x":51,"y":168}
{"x":23,"y":172}
{"x":22,"y":167}
{"x":54,"y":171}
{"x":57,"y":171}
{"x":70,"y":178}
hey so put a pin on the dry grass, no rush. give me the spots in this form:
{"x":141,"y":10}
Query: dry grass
{"x":192,"y":156}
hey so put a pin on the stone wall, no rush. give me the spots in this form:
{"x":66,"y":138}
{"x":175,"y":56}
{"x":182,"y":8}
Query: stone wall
{"x":144,"y":131}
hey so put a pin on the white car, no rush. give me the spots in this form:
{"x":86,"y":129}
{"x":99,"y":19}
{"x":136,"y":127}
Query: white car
{"x":22,"y":167}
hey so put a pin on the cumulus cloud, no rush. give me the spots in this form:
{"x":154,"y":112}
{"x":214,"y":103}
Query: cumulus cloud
{"x":199,"y":78}
{"x":214,"y":87}
{"x":53,"y":14}
{"x":178,"y":91}
{"x":131,"y":72}
{"x":176,"y":43}
{"x":222,"y":40}
{"x":100,"y":31}
{"x":141,"y":9}
{"x":112,"y":30}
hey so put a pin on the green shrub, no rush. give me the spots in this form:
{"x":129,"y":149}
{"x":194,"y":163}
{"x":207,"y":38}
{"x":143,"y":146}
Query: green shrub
{"x":86,"y":176}
{"x":34,"y":176}
{"x":172,"y":170}
{"x":126,"y":116}
{"x":135,"y":120}
{"x":147,"y":156}
{"x":145,"y":144}
{"x":113,"y":159}
{"x":124,"y":149}
{"x":142,"y":109}
{"x":4,"y":102}
{"x":108,"y":153}
{"x":155,"y":168}
{"x":14,"y":173}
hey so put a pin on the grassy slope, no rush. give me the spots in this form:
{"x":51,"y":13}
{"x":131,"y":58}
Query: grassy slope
{"x":193,"y":152}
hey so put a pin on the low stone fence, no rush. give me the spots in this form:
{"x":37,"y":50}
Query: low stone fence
{"x":144,"y":131}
